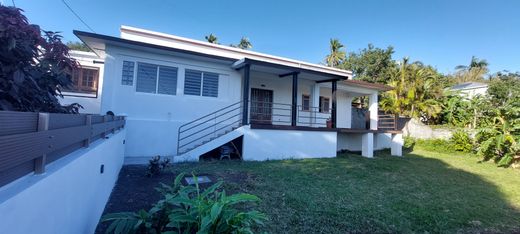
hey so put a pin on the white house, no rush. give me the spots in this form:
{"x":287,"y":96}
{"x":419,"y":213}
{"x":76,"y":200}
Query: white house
{"x":87,"y":83}
{"x":470,"y":89}
{"x":184,"y":98}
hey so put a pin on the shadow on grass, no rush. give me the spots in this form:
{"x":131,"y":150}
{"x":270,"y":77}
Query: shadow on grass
{"x":350,"y":193}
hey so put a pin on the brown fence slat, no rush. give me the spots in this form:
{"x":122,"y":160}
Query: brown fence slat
{"x":12,"y":122}
{"x":57,"y":121}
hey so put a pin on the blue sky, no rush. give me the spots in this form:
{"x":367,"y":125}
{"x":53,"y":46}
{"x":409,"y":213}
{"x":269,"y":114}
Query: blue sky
{"x":443,"y":33}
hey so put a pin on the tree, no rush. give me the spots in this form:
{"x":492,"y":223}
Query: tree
{"x":415,"y":91}
{"x":244,"y":44}
{"x":371,"y":64}
{"x":33,"y":68}
{"x":78,"y":46}
{"x":475,"y":71}
{"x":337,"y":55}
{"x":211,"y":38}
{"x":504,"y":86}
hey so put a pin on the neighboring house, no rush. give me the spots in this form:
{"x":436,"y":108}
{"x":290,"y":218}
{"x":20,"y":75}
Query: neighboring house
{"x":470,"y":89}
{"x":184,"y":98}
{"x":87,"y":83}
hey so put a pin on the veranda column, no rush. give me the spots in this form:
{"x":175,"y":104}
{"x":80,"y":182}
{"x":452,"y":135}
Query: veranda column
{"x":348,"y":123}
{"x":245,"y":97}
{"x":294,"y":98}
{"x":373,"y":108}
{"x":334,"y":104}
{"x":315,"y":103}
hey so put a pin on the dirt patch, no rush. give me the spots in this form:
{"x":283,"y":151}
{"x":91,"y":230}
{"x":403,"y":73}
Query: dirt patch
{"x":134,"y":190}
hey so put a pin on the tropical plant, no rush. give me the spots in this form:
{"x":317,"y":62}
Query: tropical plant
{"x":475,"y":71}
{"x":461,"y":141}
{"x":336,"y":55}
{"x":415,"y":91}
{"x":455,"y":110}
{"x":370,"y":64}
{"x":245,"y":44}
{"x":187,"y":209}
{"x":211,"y":38}
{"x":33,"y":68}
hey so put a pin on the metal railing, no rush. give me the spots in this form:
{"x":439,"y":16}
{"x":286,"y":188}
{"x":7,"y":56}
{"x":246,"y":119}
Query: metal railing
{"x":270,"y":113}
{"x":313,"y":117}
{"x":30,"y":140}
{"x":209,"y":127}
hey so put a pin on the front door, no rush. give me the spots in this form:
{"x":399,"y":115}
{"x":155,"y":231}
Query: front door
{"x":261,"y":106}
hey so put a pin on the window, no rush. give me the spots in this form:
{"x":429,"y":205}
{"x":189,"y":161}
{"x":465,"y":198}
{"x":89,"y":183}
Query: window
{"x":324,"y":104}
{"x":84,"y":80}
{"x":153,"y":78}
{"x":200,"y":83}
{"x":306,"y":102}
{"x":127,"y":77}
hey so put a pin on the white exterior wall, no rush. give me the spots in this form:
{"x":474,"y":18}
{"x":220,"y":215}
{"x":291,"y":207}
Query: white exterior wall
{"x":70,"y":197}
{"x":91,"y":104}
{"x":353,"y":141}
{"x":262,"y":144}
{"x":153,"y":119}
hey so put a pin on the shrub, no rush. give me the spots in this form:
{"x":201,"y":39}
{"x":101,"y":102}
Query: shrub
{"x":33,"y":68}
{"x":187,"y":209}
{"x":461,"y":141}
{"x":156,"y":166}
{"x":409,"y":142}
{"x":440,"y":145}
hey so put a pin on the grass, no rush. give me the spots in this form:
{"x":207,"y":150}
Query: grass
{"x":423,"y":192}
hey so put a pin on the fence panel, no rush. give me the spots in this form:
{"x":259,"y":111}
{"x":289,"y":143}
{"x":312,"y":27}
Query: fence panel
{"x":26,"y":147}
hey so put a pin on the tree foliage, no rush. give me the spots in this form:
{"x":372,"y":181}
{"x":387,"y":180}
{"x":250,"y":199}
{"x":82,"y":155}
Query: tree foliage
{"x":475,"y":71}
{"x":33,"y":68}
{"x":336,"y":55}
{"x":371,"y":64}
{"x":415,"y":91}
{"x":211,"y":38}
{"x":76,"y":45}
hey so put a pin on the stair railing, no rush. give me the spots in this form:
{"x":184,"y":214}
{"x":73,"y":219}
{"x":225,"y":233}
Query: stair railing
{"x":209,"y":127}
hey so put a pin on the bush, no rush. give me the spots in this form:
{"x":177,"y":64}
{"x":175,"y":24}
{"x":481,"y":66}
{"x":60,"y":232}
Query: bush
{"x":156,"y":166}
{"x":409,"y":142}
{"x":439,"y":145}
{"x":187,"y":209}
{"x":461,"y":141}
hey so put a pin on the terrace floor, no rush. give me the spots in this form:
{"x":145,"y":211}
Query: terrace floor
{"x":423,"y":192}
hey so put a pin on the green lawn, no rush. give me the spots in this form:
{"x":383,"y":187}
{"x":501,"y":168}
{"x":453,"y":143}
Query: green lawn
{"x":424,"y":191}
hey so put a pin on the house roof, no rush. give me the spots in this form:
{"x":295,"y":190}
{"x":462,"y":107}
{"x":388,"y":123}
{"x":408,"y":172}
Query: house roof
{"x":364,"y":84}
{"x":469,"y":85}
{"x":142,"y":38}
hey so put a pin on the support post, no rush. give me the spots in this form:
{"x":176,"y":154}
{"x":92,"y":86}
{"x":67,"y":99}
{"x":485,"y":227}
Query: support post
{"x":315,"y":103}
{"x":294,"y":98}
{"x":334,"y":104}
{"x":245,"y":93}
{"x":349,"y":112}
{"x":396,"y":147}
{"x":104,"y":135}
{"x":367,"y":145}
{"x":373,"y":108}
{"x":43,"y":125}
{"x":88,"y":123}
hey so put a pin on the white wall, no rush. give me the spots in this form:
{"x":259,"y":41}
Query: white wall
{"x":91,"y":104}
{"x":275,"y":144}
{"x":153,"y":119}
{"x":70,"y":197}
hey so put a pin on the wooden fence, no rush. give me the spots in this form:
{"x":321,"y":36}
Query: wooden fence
{"x":29,"y":140}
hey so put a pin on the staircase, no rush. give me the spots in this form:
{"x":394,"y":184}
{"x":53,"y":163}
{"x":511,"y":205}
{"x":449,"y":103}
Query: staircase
{"x":209,"y":131}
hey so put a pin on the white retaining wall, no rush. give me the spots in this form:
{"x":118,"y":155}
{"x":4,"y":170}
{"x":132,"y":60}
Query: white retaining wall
{"x":70,"y":197}
{"x":260,"y":144}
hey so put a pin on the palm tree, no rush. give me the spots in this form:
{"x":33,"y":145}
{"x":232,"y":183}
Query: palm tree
{"x":476,"y":70}
{"x":244,"y":44}
{"x":211,"y":38}
{"x":336,"y":56}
